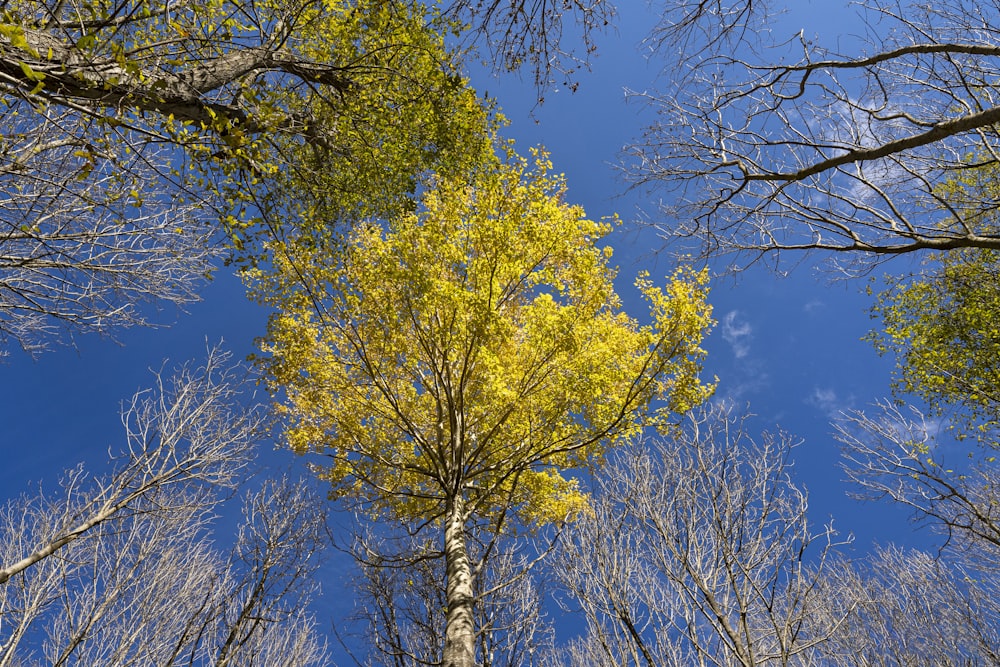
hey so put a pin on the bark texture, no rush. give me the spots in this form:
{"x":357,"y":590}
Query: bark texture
{"x":459,"y":643}
{"x":70,"y":77}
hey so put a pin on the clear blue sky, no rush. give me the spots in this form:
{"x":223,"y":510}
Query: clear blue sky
{"x":789,"y":347}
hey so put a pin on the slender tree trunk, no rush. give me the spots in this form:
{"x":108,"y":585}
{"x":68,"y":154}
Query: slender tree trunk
{"x":459,"y":635}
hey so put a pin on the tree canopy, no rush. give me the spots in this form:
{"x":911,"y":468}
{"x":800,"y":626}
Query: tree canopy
{"x":456,"y":360}
{"x":941,"y":322}
{"x":942,"y":326}
{"x":476,"y":344}
{"x":139,"y":139}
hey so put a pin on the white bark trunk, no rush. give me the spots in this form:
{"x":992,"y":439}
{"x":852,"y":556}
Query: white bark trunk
{"x":459,"y":642}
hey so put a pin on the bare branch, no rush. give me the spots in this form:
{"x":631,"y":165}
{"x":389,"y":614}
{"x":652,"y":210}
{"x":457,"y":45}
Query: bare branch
{"x":831,"y":152}
{"x":532,"y":33}
{"x":90,"y":235}
{"x":909,"y":608}
{"x":697,"y":552}
{"x":124,"y":569}
{"x":896,"y":454}
{"x":187,"y":434}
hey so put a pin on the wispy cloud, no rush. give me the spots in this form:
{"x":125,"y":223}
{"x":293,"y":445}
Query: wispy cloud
{"x":848,"y":125}
{"x":742,"y":384}
{"x":737,"y":332}
{"x":829,"y":402}
{"x":813,"y":306}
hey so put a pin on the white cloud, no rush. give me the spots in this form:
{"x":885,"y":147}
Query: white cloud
{"x":828,"y":402}
{"x":813,"y":306}
{"x":737,"y":333}
{"x":743,"y":384}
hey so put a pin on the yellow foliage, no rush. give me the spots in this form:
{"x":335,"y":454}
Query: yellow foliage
{"x":475,"y":347}
{"x":943,"y":324}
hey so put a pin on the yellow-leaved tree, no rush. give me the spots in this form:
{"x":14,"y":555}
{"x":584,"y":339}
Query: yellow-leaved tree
{"x":454,"y":362}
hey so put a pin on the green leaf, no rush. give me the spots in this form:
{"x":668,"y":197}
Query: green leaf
{"x":31,"y":74}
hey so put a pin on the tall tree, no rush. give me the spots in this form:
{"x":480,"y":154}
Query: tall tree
{"x":453,"y":362}
{"x":895,"y":452}
{"x":901,"y":607}
{"x":130,"y":130}
{"x":190,"y":432}
{"x":698,"y":551}
{"x":399,"y":598}
{"x":188,"y":60}
{"x":789,"y":145}
{"x":941,"y":325}
{"x":124,"y":568}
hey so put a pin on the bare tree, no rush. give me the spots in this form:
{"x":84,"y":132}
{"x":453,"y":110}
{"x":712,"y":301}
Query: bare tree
{"x":273,"y":566}
{"x":697,"y":552}
{"x":532,"y":33}
{"x":122,"y":569}
{"x":897,"y":454}
{"x":401,"y":602}
{"x":909,"y":607}
{"x":88,"y":236}
{"x":782,"y":144}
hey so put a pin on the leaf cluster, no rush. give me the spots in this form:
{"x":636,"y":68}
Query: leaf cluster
{"x":943,"y":327}
{"x":942,"y":323}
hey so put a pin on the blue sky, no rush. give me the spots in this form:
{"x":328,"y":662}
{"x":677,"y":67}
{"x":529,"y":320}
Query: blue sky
{"x":788,"y":347}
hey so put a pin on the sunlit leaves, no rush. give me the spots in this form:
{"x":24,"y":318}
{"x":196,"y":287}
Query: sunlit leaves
{"x":944,"y":327}
{"x":401,"y":112}
{"x":943,"y":324}
{"x":473,"y":346}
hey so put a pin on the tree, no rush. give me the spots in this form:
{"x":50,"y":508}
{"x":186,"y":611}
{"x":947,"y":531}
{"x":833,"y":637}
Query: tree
{"x":898,"y":454}
{"x":81,"y":250}
{"x":97,"y":216}
{"x":697,"y":551}
{"x":941,"y":327}
{"x":769,"y":151}
{"x":399,"y":599}
{"x":139,"y":137}
{"x":188,"y":432}
{"x":123,"y":568}
{"x":940,"y":324}
{"x":132,"y":129}
{"x":200,"y":63}
{"x":907,"y":607}
{"x":452,"y":362}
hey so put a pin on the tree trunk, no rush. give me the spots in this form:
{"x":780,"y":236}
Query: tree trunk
{"x":459,"y":635}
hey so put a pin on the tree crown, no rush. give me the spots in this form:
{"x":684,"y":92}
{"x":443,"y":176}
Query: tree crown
{"x":475,"y":346}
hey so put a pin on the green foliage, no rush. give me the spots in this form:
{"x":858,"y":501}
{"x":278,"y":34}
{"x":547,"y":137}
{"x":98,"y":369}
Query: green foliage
{"x":944,"y":328}
{"x":943,"y":324}
{"x":405,"y":112}
{"x":474,"y":347}
{"x":286,"y":113}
